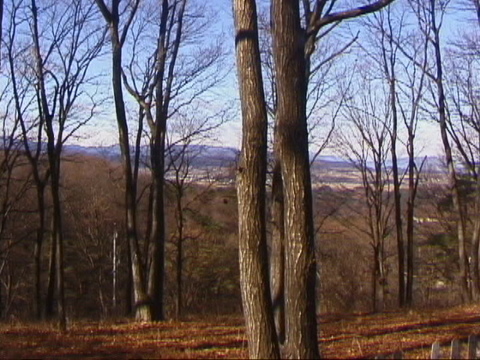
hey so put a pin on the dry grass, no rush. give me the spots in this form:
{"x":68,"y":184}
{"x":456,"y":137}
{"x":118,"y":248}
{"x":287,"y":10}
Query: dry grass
{"x":342,"y":336}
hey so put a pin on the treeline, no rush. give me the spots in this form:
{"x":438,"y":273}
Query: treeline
{"x":97,"y":270}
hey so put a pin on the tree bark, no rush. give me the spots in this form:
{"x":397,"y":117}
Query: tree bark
{"x":251,"y":178}
{"x":277,"y":256}
{"x":49,"y":301}
{"x":396,"y":192}
{"x":179,"y":261}
{"x":412,"y":190}
{"x":38,"y":248}
{"x":300,"y":265}
{"x":156,"y":274}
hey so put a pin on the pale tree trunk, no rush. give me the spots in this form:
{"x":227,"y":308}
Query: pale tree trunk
{"x":452,"y":175}
{"x":256,"y":300}
{"x":300,"y":265}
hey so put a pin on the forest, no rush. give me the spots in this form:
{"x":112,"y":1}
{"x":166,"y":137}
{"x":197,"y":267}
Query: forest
{"x":274,"y":234}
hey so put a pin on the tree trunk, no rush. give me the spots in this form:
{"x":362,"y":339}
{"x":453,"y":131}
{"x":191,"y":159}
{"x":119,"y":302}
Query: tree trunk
{"x":50,"y":298}
{"x":397,"y":194}
{"x":179,"y":256}
{"x":141,"y":303}
{"x":379,"y":284}
{"x":59,"y":269}
{"x":179,"y":260}
{"x":288,"y":49}
{"x":412,"y":189}
{"x":277,"y":255}
{"x":251,"y":178}
{"x":476,"y":246}
{"x":38,"y":251}
{"x":129,"y":285}
{"x":453,"y":183}
{"x":156,"y":274}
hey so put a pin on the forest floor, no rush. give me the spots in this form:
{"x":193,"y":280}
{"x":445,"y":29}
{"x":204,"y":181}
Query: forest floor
{"x":341,"y":336}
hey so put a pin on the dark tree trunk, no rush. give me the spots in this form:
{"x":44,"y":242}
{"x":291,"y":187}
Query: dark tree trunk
{"x":179,"y":254}
{"x":397,"y":195}
{"x":412,"y":189}
{"x":58,"y":234}
{"x":277,"y":256}
{"x":156,"y":274}
{"x":476,"y":247}
{"x":38,"y":250}
{"x":300,"y":265}
{"x":251,"y":178}
{"x":378,"y":280}
{"x":50,"y":298}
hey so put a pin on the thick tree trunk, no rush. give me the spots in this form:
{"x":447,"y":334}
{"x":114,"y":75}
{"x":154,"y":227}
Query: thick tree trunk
{"x":300,"y":265}
{"x":277,"y":255}
{"x":251,"y":178}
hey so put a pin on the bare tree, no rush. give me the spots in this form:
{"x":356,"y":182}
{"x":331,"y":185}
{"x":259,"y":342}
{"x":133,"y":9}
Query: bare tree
{"x":464,"y":130}
{"x":118,"y":33}
{"x":430,"y":17}
{"x":71,"y":49}
{"x":390,"y":32}
{"x":32,"y":144}
{"x":366,"y":142}
{"x":167,"y":84}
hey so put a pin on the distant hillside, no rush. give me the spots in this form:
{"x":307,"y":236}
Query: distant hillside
{"x":326,"y":170}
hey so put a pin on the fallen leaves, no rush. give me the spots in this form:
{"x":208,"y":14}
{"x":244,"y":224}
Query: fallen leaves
{"x":341,"y":336}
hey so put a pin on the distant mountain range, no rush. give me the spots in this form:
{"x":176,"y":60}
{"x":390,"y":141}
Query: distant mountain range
{"x":220,"y":156}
